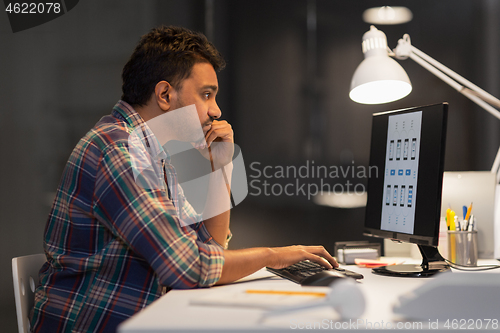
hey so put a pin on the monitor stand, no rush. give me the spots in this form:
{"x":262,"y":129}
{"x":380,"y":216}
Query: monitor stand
{"x":432,"y":263}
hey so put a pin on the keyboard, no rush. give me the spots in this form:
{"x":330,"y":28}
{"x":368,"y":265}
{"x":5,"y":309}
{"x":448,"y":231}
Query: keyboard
{"x":308,"y":273}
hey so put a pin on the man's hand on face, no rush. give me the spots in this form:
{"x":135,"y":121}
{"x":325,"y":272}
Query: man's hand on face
{"x":220,"y":141}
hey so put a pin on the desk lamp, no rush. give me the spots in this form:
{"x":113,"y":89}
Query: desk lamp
{"x":380,"y":79}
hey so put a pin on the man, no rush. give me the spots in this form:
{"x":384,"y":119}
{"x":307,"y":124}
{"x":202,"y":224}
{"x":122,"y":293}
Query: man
{"x":113,"y":245}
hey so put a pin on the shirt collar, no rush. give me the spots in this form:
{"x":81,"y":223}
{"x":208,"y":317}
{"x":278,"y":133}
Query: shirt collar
{"x":126,"y":112}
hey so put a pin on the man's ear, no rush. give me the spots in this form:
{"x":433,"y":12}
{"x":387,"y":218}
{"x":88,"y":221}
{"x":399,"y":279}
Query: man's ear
{"x":163,"y":94}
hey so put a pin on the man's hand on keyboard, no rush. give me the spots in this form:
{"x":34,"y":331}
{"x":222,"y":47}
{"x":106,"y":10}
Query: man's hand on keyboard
{"x":285,"y":256}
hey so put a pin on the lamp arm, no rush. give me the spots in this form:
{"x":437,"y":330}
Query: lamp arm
{"x":459,"y":83}
{"x":484,"y":95}
{"x":405,"y":49}
{"x":469,"y":93}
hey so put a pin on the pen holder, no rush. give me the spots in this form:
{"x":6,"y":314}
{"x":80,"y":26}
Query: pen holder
{"x":462,"y":247}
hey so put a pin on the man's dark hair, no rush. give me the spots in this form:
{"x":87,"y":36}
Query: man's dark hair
{"x":165,"y":53}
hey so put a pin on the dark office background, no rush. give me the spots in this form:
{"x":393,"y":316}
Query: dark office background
{"x":285,"y":91}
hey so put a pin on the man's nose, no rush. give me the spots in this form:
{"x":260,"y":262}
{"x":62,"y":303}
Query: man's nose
{"x":214,"y":112}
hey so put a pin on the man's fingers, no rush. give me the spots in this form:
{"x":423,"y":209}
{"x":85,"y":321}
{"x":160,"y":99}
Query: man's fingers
{"x":319,"y":260}
{"x":212,"y":136}
{"x":326,"y":255}
{"x":219,"y":129}
{"x":286,"y":256}
{"x":321,"y":256}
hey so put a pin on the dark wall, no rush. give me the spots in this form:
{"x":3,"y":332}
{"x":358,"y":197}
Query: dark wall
{"x":285,"y":91}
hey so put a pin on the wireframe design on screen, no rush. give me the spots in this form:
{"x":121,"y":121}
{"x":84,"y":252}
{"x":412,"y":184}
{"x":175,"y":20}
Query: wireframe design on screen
{"x":401,"y":172}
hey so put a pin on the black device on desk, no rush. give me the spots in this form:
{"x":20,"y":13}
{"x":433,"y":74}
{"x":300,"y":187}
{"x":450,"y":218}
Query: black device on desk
{"x":308,"y":273}
{"x":404,"y":200}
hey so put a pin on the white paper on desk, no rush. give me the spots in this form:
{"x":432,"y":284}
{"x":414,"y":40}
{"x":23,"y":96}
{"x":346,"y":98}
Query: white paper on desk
{"x":248,"y":300}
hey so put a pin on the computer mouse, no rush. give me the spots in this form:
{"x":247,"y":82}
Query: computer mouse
{"x":324,"y":278}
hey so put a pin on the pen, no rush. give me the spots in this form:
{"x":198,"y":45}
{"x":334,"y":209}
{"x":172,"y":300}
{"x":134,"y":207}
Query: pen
{"x":452,"y":237}
{"x":457,"y":224}
{"x":465,"y":227}
{"x":285,"y":292}
{"x":448,"y":218}
{"x":467,"y":215}
{"x":472,"y":221}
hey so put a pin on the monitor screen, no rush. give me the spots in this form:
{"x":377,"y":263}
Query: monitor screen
{"x":404,"y":199}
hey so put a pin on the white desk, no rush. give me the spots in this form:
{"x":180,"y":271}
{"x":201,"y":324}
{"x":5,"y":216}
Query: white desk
{"x":174,"y":312}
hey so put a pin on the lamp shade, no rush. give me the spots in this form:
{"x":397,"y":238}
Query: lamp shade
{"x":387,"y":15}
{"x":379,"y":78}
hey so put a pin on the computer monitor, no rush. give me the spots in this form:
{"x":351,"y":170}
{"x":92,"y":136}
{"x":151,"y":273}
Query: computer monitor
{"x":404,"y":199}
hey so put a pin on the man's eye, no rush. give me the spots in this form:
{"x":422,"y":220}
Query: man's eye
{"x":207,"y":95}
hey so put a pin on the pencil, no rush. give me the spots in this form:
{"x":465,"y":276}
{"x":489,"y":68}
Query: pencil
{"x":285,"y":292}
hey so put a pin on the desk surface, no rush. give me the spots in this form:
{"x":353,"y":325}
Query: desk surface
{"x":175,"y":311}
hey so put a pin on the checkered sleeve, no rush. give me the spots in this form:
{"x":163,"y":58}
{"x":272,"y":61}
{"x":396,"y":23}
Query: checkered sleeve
{"x":146,"y":221}
{"x":205,"y":237}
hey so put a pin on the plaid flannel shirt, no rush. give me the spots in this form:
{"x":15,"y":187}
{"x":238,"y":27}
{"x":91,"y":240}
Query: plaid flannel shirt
{"x":111,"y":244}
